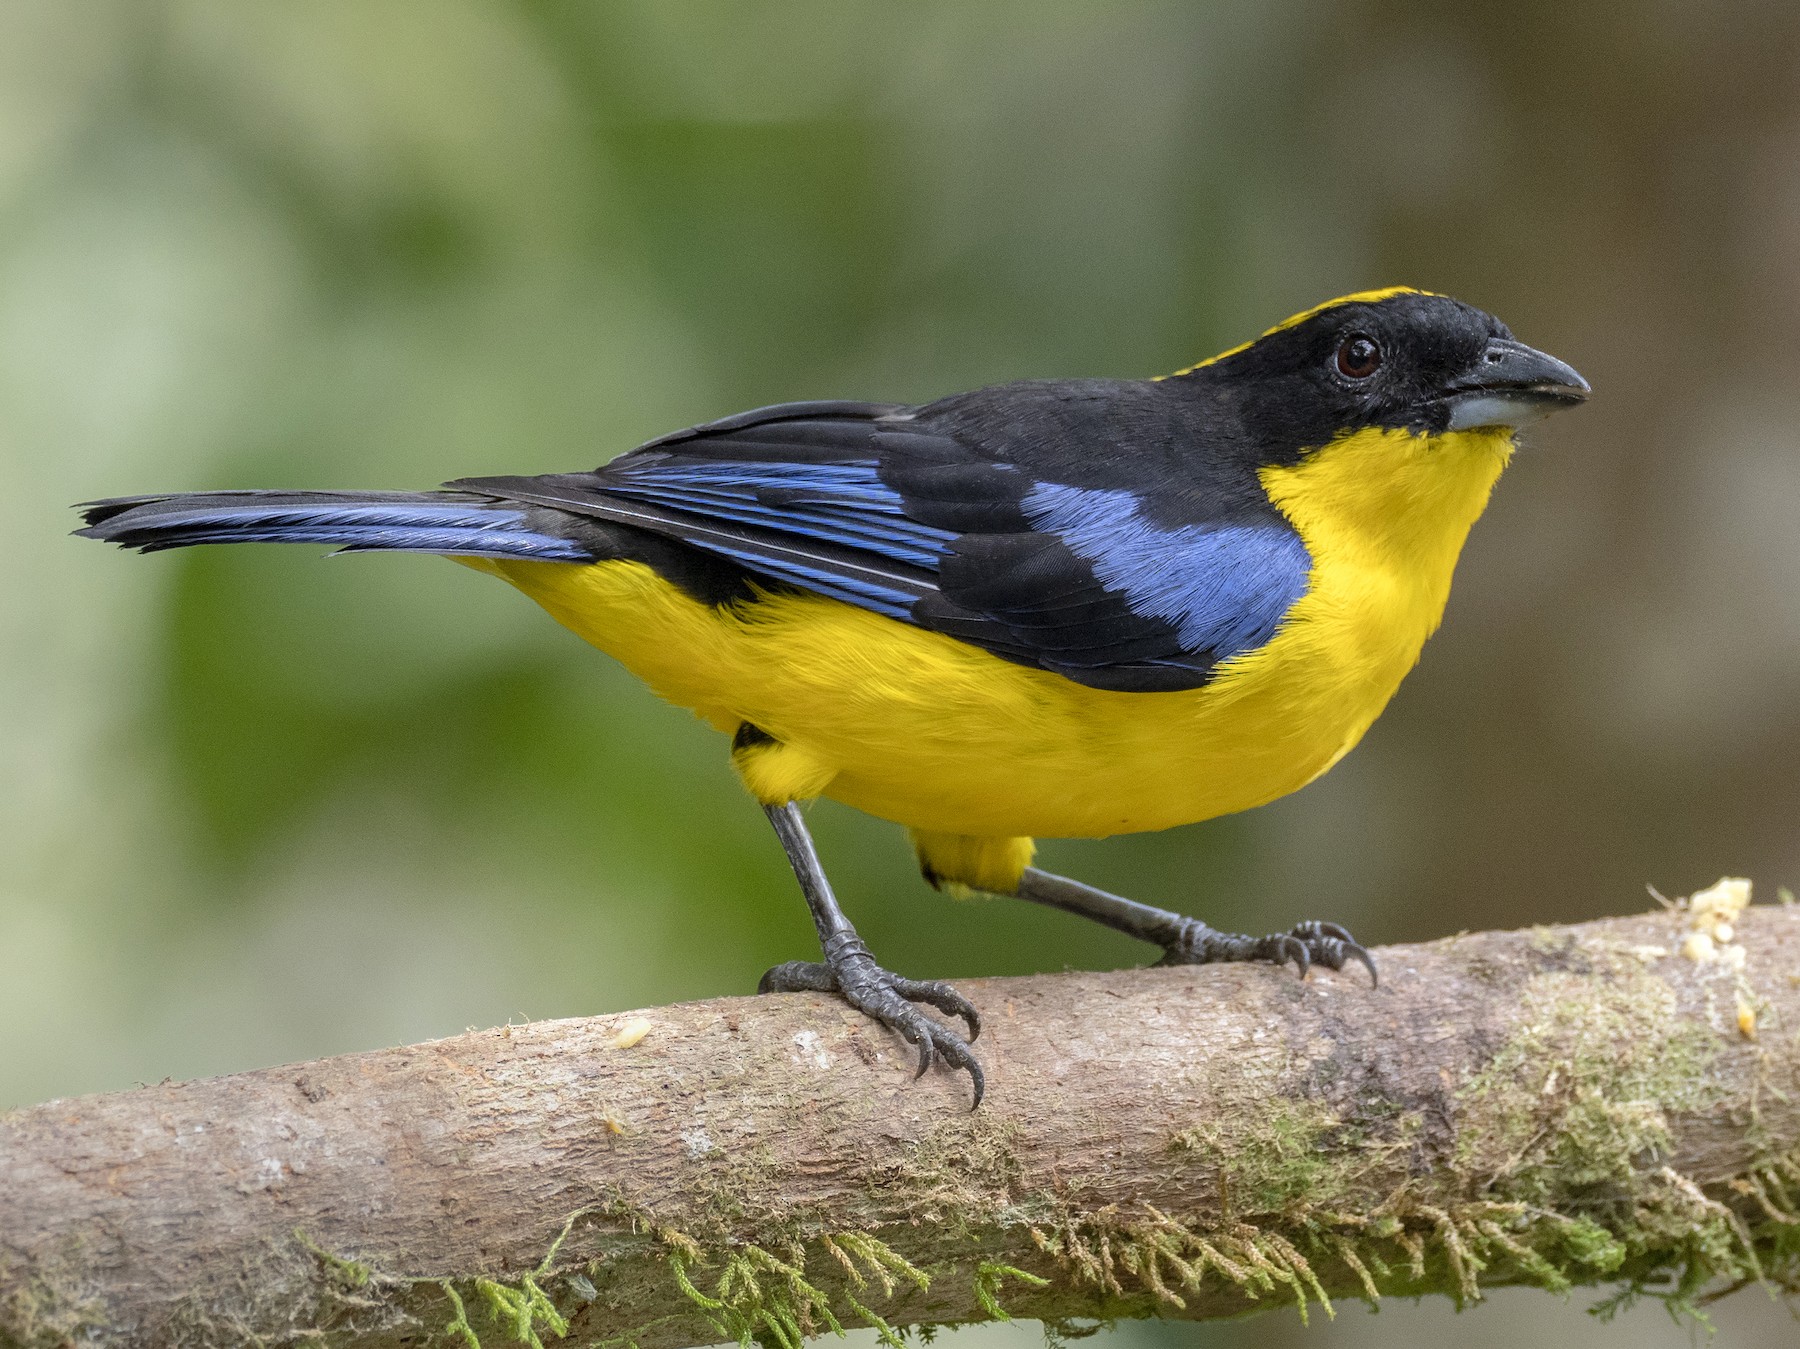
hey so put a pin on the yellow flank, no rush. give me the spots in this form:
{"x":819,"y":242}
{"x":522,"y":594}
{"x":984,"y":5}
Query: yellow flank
{"x":1294,"y":320}
{"x":970,"y":861}
{"x":978,"y":755}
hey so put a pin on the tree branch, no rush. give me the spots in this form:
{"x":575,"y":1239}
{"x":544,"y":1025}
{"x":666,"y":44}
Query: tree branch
{"x":1560,"y":1106}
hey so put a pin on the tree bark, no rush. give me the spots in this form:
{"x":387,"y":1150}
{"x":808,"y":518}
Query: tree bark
{"x":1562,"y":1106}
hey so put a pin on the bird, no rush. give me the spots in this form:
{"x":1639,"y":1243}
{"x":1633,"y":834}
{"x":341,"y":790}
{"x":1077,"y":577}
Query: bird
{"x":1063,"y":608}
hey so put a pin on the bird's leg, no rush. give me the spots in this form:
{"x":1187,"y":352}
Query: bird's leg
{"x":1188,"y":941}
{"x":849,"y":970}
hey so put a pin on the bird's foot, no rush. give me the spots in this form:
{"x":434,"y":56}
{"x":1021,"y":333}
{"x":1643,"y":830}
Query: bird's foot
{"x":850,"y":971}
{"x":1306,"y":944}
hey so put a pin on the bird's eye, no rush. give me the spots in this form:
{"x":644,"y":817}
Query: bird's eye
{"x":1358,"y":356}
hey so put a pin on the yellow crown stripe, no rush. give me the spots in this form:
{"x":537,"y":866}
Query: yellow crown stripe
{"x":1359,"y":297}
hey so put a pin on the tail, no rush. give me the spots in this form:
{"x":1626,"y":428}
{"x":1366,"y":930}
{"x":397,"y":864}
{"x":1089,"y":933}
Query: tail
{"x":460,"y":523}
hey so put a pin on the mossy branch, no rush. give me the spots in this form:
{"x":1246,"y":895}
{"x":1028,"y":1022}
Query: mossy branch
{"x":1615,"y":1104}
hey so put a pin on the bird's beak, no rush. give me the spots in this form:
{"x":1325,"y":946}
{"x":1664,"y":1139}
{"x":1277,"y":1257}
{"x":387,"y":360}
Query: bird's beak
{"x":1513,"y":384}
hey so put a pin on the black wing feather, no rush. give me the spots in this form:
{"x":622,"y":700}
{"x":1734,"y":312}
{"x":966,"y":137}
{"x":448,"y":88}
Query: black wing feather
{"x":917,"y":513}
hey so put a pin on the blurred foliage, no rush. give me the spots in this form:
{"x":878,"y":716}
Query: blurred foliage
{"x":259,"y":807}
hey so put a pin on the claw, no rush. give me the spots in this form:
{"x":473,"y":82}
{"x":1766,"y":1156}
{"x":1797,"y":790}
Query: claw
{"x":960,"y":1056}
{"x":1294,"y":949}
{"x":1335,"y":946}
{"x":883,"y":997}
{"x":1327,"y":944}
{"x":1358,"y":953}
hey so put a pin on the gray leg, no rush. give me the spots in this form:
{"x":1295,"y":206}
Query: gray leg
{"x":850,"y":971}
{"x":1188,"y":941}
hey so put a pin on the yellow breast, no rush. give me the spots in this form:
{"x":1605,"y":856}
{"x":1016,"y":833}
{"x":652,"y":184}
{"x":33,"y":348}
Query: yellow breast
{"x":919,"y":728}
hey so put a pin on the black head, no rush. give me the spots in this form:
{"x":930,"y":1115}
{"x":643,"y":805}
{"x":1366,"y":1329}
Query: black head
{"x":1400,"y":359}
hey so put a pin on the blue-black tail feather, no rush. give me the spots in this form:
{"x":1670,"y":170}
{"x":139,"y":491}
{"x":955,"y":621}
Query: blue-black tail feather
{"x":458,"y":523}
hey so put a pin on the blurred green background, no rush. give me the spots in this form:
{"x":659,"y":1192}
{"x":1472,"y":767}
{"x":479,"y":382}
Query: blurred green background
{"x":260,"y":807}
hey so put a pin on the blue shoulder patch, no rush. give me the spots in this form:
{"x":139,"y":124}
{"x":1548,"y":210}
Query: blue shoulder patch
{"x":1225,"y":587}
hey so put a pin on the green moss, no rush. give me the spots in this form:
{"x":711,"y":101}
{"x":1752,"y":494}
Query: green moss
{"x":1163,"y":1259}
{"x":458,"y":1326}
{"x":517,"y":1309}
{"x":1571,"y":1103}
{"x":1275,"y":1157}
{"x":989,"y":1277}
{"x":1560,"y":1152}
{"x":349,"y":1275}
{"x":963,"y":1170}
{"x":40,"y":1314}
{"x":760,"y":1295}
{"x":1557,"y":945}
{"x":523,"y":1310}
{"x":1579,"y":1115}
{"x":741,"y":1189}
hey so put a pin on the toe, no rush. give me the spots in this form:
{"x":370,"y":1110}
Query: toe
{"x":956,"y":1053}
{"x":1361,"y":955}
{"x":1333,"y":947}
{"x":886,"y":998}
{"x":934,"y":1041}
{"x":798,"y":976}
{"x":1288,"y":947}
{"x":883,"y":1001}
{"x":1327,"y":951}
{"x":940,"y":995}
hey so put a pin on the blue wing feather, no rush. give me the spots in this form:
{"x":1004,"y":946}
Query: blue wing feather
{"x":842,"y":503}
{"x":822,"y":580}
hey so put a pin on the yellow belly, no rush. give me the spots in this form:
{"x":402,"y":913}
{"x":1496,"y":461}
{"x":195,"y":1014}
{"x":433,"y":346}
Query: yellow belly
{"x":927,"y":731}
{"x":932,"y":733}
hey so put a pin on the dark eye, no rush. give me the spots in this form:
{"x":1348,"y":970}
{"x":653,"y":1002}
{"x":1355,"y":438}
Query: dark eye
{"x":1358,"y":356}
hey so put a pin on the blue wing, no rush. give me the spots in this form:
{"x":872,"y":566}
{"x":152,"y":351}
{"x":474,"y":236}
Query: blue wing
{"x":879,"y":508}
{"x":841,"y":504}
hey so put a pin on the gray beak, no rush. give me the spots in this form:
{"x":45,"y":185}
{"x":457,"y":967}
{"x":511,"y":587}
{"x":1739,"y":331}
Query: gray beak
{"x":1511,"y":385}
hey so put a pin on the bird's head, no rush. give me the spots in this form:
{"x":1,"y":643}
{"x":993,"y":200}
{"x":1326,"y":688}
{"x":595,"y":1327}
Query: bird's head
{"x":1382,"y":418}
{"x":1398,"y":359}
